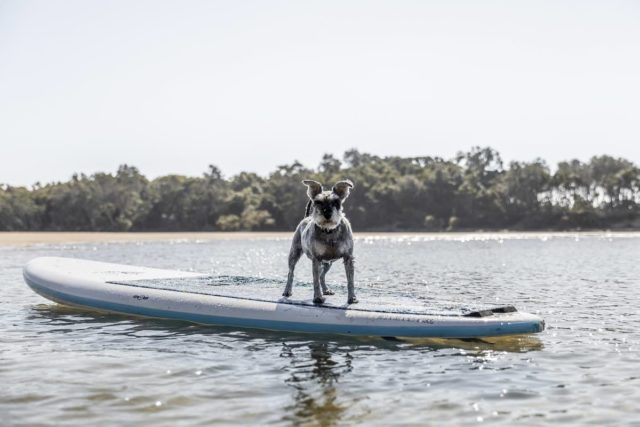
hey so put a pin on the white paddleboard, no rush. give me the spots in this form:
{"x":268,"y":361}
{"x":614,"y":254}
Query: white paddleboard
{"x":194,"y":297}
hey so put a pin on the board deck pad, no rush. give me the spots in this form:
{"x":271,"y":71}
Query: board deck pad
{"x":270,"y":290}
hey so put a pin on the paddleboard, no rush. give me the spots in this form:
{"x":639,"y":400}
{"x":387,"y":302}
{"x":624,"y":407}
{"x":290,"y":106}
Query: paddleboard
{"x":203,"y":299}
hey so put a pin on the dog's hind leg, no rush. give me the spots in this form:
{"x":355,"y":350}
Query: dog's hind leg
{"x":294,"y":256}
{"x":349,"y":269}
{"x":324,"y":268}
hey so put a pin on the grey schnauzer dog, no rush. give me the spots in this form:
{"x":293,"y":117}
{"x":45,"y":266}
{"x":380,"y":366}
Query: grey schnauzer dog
{"x":324,"y":236}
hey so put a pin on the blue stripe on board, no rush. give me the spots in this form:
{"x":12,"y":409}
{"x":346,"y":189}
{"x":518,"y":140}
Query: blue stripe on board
{"x":433,"y":331}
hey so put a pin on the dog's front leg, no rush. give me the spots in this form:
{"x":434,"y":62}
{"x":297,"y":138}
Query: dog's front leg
{"x":294,"y":255}
{"x":349,"y":269}
{"x":324,"y":268}
{"x":317,"y":293}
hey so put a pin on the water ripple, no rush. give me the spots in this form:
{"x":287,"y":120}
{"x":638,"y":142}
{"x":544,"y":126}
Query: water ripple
{"x":64,"y":366}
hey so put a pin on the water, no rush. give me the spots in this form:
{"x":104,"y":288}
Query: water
{"x":62,"y":366}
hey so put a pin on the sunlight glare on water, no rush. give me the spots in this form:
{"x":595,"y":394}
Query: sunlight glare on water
{"x":67,"y":366}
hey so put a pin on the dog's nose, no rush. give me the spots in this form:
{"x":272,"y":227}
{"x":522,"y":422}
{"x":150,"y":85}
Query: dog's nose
{"x":327,"y":214}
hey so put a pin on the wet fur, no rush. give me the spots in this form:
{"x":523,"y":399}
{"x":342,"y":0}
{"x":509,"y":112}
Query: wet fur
{"x":324,"y":236}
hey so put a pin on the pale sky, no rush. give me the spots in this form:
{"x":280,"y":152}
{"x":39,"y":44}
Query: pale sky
{"x":172,"y":86}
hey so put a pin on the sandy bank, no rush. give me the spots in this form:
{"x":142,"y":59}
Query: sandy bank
{"x":43,"y":237}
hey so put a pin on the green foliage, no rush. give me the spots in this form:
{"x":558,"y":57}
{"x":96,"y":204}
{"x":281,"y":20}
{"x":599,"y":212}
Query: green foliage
{"x":472,"y":191}
{"x":19,"y":209}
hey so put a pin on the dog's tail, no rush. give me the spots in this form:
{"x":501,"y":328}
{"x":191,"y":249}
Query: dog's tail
{"x":307,"y":211}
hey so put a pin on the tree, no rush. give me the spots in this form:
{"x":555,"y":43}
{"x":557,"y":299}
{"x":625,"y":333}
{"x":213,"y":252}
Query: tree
{"x":329,"y":165}
{"x":473,"y":190}
{"x":522,"y":190}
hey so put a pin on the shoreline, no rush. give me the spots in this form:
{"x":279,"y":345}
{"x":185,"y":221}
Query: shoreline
{"x":21,"y":238}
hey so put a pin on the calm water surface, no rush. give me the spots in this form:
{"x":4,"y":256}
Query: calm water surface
{"x":61,"y":366}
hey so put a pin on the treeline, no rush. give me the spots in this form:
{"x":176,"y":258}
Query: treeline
{"x":474,"y":190}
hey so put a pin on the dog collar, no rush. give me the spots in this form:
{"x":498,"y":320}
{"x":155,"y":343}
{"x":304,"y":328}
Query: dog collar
{"x":326,"y":230}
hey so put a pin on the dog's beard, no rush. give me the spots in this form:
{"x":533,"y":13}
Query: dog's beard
{"x":327,"y":224}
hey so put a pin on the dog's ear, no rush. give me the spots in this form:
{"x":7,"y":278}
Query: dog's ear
{"x":342,"y":189}
{"x":313,"y":188}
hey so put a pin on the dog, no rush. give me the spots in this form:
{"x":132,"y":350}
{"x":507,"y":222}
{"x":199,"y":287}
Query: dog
{"x":324,"y":236}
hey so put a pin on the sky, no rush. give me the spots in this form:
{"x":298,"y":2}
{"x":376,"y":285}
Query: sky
{"x":173,"y":86}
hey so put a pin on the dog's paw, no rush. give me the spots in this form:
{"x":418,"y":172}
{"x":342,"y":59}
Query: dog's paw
{"x":318,"y":300}
{"x":287,"y":294}
{"x":352,"y":300}
{"x":328,"y":292}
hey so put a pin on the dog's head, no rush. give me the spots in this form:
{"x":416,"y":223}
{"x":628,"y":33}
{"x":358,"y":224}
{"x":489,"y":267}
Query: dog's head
{"x":326,"y":206}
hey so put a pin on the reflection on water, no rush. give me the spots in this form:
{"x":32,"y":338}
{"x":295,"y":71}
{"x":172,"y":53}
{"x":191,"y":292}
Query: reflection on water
{"x":513,"y":344}
{"x":68,"y":366}
{"x":314,"y":379}
{"x":314,"y":364}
